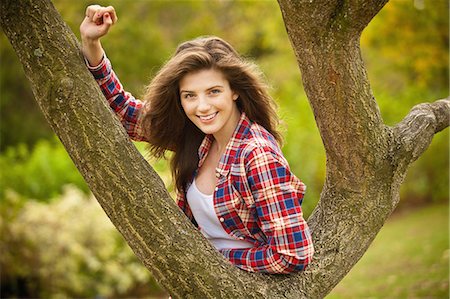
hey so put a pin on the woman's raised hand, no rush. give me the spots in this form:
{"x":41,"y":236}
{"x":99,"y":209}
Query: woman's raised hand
{"x":97,"y":21}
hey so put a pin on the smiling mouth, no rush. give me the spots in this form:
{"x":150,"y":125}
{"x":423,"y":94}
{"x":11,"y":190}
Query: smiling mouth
{"x":206,"y":118}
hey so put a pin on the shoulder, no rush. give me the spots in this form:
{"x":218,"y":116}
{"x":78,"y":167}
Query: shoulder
{"x":260,"y":144}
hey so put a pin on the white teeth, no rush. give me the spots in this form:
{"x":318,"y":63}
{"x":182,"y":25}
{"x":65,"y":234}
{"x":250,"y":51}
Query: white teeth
{"x":208,"y":117}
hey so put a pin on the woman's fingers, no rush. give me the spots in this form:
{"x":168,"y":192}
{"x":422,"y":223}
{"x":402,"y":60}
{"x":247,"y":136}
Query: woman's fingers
{"x":112,"y":13}
{"x":107,"y":19}
{"x":96,"y":13}
{"x":91,"y":10}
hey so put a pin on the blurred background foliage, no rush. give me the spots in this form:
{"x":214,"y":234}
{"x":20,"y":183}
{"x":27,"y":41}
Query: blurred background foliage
{"x":56,"y":241}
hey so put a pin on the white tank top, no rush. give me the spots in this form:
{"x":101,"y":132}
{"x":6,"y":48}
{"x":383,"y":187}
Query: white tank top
{"x":202,"y":207}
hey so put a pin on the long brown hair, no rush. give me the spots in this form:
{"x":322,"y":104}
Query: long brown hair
{"x":166,"y":125}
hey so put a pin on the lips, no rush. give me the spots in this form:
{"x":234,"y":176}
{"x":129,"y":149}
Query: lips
{"x":207,"y":118}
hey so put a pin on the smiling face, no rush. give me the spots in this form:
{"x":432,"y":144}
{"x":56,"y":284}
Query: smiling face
{"x":209,"y":102}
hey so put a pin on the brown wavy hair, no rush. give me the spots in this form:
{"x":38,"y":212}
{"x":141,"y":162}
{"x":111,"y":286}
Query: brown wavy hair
{"x":167,"y":128}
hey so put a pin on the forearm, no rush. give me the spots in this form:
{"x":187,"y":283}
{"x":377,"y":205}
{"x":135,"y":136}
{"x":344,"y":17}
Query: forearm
{"x":92,"y":51}
{"x":265,"y":260}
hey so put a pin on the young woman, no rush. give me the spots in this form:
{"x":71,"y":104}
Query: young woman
{"x":210,"y":108}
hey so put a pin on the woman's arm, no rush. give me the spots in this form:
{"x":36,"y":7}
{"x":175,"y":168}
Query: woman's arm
{"x":95,"y":25}
{"x":126,"y":107}
{"x":278,"y":195}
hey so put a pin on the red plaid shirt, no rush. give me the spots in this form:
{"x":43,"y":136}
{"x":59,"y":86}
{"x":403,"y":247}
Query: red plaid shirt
{"x":257,"y":198}
{"x":126,"y":107}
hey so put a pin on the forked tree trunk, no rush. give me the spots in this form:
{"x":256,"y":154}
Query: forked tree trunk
{"x":366,"y":160}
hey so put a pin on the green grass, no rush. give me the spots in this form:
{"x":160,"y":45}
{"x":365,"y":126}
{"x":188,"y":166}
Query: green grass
{"x":408,"y":259}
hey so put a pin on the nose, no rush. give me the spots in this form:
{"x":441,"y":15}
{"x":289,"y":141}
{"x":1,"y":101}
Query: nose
{"x":203,"y":104}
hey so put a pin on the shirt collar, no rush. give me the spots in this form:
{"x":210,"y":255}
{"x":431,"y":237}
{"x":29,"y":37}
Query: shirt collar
{"x":235,"y":141}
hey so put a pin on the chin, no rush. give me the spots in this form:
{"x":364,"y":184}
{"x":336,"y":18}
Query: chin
{"x":208,"y":131}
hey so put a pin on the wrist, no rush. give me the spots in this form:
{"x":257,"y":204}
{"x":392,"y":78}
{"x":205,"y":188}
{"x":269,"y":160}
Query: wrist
{"x":90,"y":42}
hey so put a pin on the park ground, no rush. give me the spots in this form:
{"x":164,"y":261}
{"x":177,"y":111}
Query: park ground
{"x":408,"y":259}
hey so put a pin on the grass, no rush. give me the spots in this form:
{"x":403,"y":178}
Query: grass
{"x":408,"y":259}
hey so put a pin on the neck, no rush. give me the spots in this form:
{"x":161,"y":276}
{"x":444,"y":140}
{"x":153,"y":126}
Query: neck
{"x":220,"y":147}
{"x":222,"y":139}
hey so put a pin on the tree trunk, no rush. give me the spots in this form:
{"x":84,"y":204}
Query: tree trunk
{"x":366,"y":160}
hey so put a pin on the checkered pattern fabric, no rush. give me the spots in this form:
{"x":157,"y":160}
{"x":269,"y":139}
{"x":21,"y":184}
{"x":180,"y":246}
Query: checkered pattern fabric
{"x":126,"y":107}
{"x":257,"y":198}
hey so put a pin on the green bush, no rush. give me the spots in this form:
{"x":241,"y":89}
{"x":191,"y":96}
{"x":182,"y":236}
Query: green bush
{"x":66,"y":248}
{"x":39,"y":173}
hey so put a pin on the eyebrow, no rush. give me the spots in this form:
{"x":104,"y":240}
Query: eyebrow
{"x":212,"y":87}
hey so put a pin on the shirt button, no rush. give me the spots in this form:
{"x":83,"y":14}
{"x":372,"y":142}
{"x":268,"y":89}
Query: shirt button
{"x":241,"y":238}
{"x":216,"y":189}
{"x":217,"y":175}
{"x":222,"y":219}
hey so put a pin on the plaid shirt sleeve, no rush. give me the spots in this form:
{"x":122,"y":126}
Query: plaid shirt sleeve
{"x":278,"y":195}
{"x":126,"y":107}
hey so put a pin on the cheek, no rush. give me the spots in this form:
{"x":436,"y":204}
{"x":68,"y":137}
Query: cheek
{"x":188,"y":108}
{"x":184,"y":106}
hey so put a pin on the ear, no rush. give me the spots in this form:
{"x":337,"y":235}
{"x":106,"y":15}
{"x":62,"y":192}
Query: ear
{"x":235,"y":96}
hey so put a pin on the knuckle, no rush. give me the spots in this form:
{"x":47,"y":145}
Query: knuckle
{"x":93,"y":7}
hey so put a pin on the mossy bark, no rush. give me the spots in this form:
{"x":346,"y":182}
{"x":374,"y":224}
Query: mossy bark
{"x":366,"y":160}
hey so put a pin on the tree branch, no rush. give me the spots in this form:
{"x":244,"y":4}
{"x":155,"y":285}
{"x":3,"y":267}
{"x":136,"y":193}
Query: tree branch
{"x":361,"y":12}
{"x":338,"y":88}
{"x":125,"y":185}
{"x":414,"y":133}
{"x":307,"y":16}
{"x":317,"y":19}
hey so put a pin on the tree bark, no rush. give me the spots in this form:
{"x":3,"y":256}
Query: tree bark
{"x":366,"y":160}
